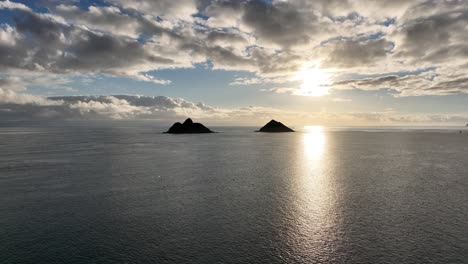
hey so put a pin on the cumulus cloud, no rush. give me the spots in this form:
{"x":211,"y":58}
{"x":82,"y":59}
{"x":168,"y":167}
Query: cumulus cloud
{"x":43,"y":44}
{"x":271,"y":39}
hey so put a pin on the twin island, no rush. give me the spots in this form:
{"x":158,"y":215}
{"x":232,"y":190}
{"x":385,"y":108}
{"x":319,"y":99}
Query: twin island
{"x":189,"y":127}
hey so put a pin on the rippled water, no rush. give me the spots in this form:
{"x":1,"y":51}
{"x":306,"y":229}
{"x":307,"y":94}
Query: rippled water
{"x":131,"y":195}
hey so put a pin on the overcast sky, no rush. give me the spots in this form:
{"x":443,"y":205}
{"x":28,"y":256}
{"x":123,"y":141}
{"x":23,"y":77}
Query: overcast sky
{"x":323,"y":62}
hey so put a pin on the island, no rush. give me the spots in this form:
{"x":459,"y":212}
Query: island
{"x":275,"y":127}
{"x":188,"y":127}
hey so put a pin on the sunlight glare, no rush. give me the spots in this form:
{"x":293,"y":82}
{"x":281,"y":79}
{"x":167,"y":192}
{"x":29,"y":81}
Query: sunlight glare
{"x":315,"y":81}
{"x":314,"y":142}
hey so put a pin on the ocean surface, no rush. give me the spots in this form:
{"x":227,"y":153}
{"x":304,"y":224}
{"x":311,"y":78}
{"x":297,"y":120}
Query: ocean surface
{"x":122,"y":193}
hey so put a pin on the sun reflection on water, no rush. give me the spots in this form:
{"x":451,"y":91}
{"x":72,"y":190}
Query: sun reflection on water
{"x":314,"y":142}
{"x":314,"y":213}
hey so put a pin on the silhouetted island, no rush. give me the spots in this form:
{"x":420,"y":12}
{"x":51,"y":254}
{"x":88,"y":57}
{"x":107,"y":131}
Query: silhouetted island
{"x":275,"y":127}
{"x":188,"y":127}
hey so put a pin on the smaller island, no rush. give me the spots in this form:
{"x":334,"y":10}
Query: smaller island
{"x":275,"y":127}
{"x":188,"y":127}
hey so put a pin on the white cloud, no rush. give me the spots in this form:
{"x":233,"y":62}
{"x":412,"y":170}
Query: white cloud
{"x":114,"y":108}
{"x":340,"y":100}
{"x":7,"y":4}
{"x":11,"y":97}
{"x":8,"y":35}
{"x":271,"y":40}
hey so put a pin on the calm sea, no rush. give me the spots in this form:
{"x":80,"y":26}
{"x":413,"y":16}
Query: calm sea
{"x":128,"y":194}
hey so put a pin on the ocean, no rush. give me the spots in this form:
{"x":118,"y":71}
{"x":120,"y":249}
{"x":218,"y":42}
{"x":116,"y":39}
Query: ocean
{"x":124,"y":193}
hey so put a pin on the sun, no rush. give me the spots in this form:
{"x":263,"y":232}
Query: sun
{"x":315,"y":81}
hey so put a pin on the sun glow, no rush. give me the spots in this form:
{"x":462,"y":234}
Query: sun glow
{"x":315,"y":81}
{"x":314,"y":142}
{"x":313,"y":129}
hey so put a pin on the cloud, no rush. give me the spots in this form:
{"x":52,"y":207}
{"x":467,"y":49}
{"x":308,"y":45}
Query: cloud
{"x":435,"y":31}
{"x":7,"y":4}
{"x":8,"y":36}
{"x":15,"y":106}
{"x":108,"y":19}
{"x":12,"y":97}
{"x":273,"y":40}
{"x":259,"y":80}
{"x":181,"y":9}
{"x":101,"y":107}
{"x":341,"y":100}
{"x":47,"y":45}
{"x":279,"y":23}
{"x":283,"y":90}
{"x":12,"y":83}
{"x":431,"y":82}
{"x":361,"y":52}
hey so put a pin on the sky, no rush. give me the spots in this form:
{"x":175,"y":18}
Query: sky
{"x":324,"y":62}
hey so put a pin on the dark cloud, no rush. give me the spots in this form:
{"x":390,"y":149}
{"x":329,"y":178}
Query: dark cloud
{"x":357,"y":52}
{"x":280,"y":23}
{"x":49,"y":45}
{"x":435,"y":31}
{"x":371,"y":82}
{"x":425,"y":83}
{"x":223,"y":36}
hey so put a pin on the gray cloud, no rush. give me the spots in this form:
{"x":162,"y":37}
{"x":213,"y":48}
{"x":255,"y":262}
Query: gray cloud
{"x":45,"y":44}
{"x":280,"y":23}
{"x":182,"y":9}
{"x":225,"y":37}
{"x":107,"y":19}
{"x":362,"y":52}
{"x":424,"y":83}
{"x":12,"y":83}
{"x":435,"y":31}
